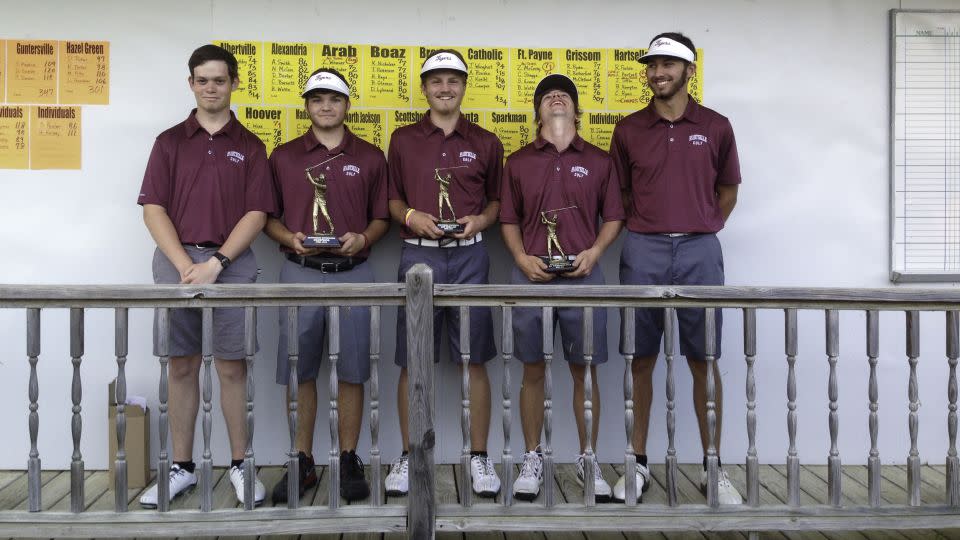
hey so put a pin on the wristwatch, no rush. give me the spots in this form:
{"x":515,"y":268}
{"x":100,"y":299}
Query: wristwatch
{"x":224,"y":260}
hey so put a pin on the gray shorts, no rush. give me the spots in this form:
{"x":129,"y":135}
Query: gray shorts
{"x":464,"y":264}
{"x":185,"y":323}
{"x":353,"y":365}
{"x":656,"y":259}
{"x":528,"y":324}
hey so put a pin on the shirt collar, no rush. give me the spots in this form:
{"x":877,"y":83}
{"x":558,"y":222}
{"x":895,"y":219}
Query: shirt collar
{"x":692,"y":113}
{"x":346,"y":146}
{"x":462,"y":125}
{"x":577,"y":143}
{"x":231,"y":129}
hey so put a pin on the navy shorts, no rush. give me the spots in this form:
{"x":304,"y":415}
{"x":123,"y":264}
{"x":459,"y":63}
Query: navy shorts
{"x":462,"y":264}
{"x":186,"y":323}
{"x":353,"y":365}
{"x":657,"y":259}
{"x":528,"y":324}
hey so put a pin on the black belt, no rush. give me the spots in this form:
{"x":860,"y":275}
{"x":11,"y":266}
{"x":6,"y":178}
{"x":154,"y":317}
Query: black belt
{"x":325,"y":264}
{"x":203,"y":244}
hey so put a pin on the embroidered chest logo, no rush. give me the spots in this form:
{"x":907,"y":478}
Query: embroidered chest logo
{"x":698,"y":140}
{"x":467,"y":156}
{"x":351,"y":170}
{"x":235,"y":156}
{"x":578,"y":171}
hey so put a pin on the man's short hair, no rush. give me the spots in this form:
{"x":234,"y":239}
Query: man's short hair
{"x":208,"y":53}
{"x":423,"y":76}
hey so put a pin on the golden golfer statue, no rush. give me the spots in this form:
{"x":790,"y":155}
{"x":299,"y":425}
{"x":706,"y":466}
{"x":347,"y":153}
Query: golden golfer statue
{"x":320,"y":238}
{"x":448,"y":226}
{"x":559,"y":263}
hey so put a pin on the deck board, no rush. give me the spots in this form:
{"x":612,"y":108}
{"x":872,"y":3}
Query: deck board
{"x":98,"y":491}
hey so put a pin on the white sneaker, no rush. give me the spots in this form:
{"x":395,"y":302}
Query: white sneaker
{"x":397,"y":482}
{"x":527,"y":486}
{"x":485,"y":481}
{"x":643,"y":484}
{"x":180,"y":480}
{"x":601,"y":489}
{"x":726,"y":493}
{"x":236,"y":478}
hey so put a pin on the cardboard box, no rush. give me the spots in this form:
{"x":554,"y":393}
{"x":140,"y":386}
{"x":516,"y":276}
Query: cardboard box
{"x":137,"y":443}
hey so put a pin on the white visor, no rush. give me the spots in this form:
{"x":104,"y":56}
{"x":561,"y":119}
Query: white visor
{"x":325,"y":81}
{"x":443,"y":60}
{"x":668,"y":47}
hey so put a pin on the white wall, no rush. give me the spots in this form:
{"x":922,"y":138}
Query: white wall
{"x":805,"y":85}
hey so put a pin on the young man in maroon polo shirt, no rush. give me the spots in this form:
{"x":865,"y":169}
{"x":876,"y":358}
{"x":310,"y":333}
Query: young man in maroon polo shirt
{"x":355,"y":173}
{"x":445,"y":146}
{"x":563,"y":179}
{"x":679,"y":173}
{"x":206,"y":194}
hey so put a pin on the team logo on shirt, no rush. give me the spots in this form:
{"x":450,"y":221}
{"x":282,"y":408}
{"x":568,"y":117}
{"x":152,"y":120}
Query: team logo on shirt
{"x":351,"y":170}
{"x":467,"y":156}
{"x":579,"y":171}
{"x":235,"y":156}
{"x":698,"y":140}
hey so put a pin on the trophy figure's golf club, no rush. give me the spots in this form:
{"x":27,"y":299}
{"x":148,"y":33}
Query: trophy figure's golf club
{"x":559,"y":263}
{"x":320,"y":238}
{"x":449,"y":225}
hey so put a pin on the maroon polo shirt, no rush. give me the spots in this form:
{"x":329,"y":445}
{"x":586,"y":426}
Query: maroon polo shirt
{"x":205,"y":182}
{"x":538,"y":178}
{"x":417,"y":150}
{"x":356,"y":184}
{"x":672,"y":168}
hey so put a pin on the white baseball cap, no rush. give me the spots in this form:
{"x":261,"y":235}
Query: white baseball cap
{"x":324,"y":80}
{"x":443,"y":60}
{"x":668,"y":47}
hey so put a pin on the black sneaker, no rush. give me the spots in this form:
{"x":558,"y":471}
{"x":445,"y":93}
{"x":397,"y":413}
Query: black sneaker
{"x":353,"y":485}
{"x":308,"y":479}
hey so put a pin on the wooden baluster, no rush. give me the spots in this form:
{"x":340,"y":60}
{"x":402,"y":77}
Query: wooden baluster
{"x":333,"y":350}
{"x":76,"y":425}
{"x":33,"y":389}
{"x":421,"y":499}
{"x":750,"y":352}
{"x":548,"y":466}
{"x":206,"y":464}
{"x":833,"y":351}
{"x":873,"y":462}
{"x":121,"y":336}
{"x":953,"y":462}
{"x":589,"y":488}
{"x":466,"y":494}
{"x":163,"y":459}
{"x":250,"y":351}
{"x":913,"y":394}
{"x":507,"y":458}
{"x":376,"y":491}
{"x":793,"y":460}
{"x":713,"y":459}
{"x":669,"y":336}
{"x":293,"y":358}
{"x":628,"y":344}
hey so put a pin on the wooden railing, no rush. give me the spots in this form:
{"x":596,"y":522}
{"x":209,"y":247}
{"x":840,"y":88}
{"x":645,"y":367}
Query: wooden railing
{"x":423,"y":516}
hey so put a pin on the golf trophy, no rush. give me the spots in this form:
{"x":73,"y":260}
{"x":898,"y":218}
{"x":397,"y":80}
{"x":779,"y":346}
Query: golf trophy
{"x":449,"y":226}
{"x":556,"y":263}
{"x":320,"y":238}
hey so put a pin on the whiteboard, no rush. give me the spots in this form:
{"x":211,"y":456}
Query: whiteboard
{"x":925,"y":89}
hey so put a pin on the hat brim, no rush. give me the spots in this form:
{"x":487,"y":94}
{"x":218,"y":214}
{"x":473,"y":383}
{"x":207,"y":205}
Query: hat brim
{"x":557,"y":81}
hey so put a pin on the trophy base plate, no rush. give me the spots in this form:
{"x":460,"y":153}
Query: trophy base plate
{"x":321,"y":241}
{"x":557,"y":265}
{"x":450,"y":227}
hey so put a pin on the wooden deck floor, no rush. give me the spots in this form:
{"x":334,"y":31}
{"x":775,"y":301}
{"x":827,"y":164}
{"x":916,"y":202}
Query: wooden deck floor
{"x":99,"y":497}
